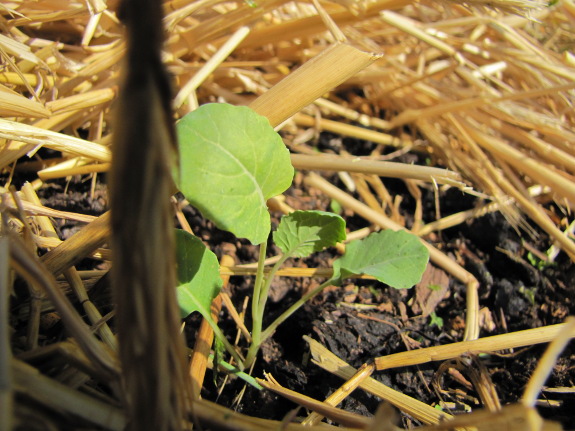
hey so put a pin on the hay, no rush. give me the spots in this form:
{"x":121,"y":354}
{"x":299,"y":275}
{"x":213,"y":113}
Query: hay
{"x":486,"y":90}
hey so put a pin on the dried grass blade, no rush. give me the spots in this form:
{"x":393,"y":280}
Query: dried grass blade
{"x":40,"y":210}
{"x":532,"y":209}
{"x":536,"y":170}
{"x":216,"y":417}
{"x":312,"y":25}
{"x":214,"y":61}
{"x":58,"y":171}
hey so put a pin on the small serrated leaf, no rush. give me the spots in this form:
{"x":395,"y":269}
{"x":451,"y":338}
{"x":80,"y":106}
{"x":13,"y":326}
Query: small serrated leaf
{"x":231,"y":162}
{"x":198,"y":275}
{"x":395,"y":258}
{"x":302,"y":233}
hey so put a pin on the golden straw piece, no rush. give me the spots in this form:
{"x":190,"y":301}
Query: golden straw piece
{"x":495,"y":343}
{"x":78,"y":246}
{"x":57,"y":141}
{"x":383,"y":169}
{"x":316,"y":77}
{"x":205,"y":338}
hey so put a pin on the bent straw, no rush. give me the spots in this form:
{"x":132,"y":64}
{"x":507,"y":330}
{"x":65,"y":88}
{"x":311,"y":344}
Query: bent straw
{"x":325,"y":359}
{"x":341,"y":393}
{"x":548,"y":361}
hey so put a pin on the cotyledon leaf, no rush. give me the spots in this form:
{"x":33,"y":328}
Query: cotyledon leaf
{"x":198,"y":274}
{"x":397,"y":258}
{"x":301,"y":233}
{"x":231,"y":163}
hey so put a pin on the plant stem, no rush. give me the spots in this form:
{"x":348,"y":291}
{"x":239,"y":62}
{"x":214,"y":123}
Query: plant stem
{"x":257,"y":313}
{"x":229,"y":347}
{"x":268,"y":282}
{"x":231,"y":369}
{"x":261,"y":292}
{"x":273,"y":326}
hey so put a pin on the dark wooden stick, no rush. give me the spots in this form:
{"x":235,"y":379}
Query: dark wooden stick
{"x":143,"y":274}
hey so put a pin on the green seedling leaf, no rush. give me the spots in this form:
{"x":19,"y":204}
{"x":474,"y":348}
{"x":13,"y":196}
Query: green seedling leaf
{"x":434,"y":319}
{"x":231,"y":162}
{"x":335,"y":207}
{"x":394,"y":258}
{"x":301,"y":233}
{"x":198,"y":274}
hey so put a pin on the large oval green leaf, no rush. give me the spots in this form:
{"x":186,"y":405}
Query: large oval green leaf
{"x":395,"y":258}
{"x":301,"y":233}
{"x":198,"y":274}
{"x":231,"y":163}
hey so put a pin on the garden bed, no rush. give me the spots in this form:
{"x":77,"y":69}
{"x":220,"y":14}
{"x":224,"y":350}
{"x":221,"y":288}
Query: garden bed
{"x":484,"y":95}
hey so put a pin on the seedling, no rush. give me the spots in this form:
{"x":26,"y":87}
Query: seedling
{"x":231,"y":163}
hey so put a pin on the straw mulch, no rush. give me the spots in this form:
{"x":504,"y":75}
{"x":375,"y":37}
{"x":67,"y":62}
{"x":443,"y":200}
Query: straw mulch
{"x":485,"y":90}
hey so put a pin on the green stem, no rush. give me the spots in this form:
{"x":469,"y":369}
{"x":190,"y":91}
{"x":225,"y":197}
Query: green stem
{"x":268,"y":282}
{"x":229,"y":347}
{"x":234,"y":370}
{"x":257,"y":312}
{"x":261,"y":292}
{"x":271,"y":329}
